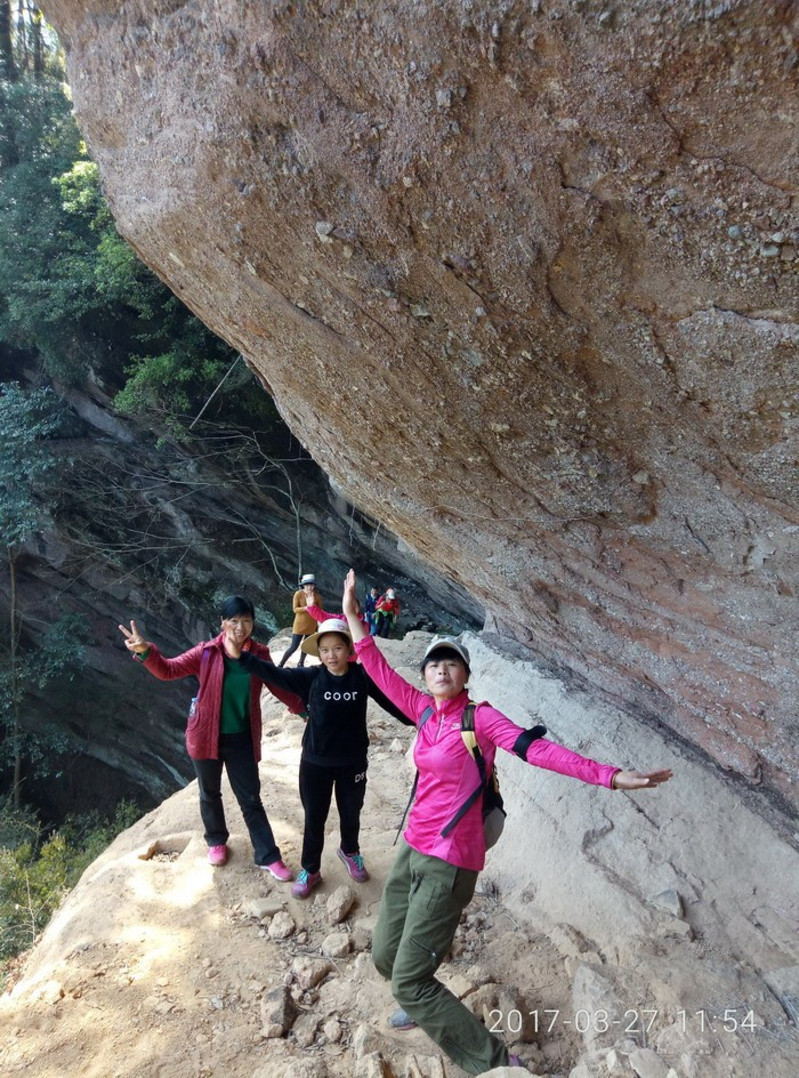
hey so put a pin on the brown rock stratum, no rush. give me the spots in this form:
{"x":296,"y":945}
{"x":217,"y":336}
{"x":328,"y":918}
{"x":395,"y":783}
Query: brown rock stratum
{"x":523,"y":278}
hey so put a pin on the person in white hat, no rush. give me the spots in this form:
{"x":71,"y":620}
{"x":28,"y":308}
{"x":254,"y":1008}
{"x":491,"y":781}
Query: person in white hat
{"x":434,"y":875}
{"x":303,"y":625}
{"x":334,"y":745}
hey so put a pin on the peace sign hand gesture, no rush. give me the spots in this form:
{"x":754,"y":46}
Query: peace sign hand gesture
{"x":134,"y":641}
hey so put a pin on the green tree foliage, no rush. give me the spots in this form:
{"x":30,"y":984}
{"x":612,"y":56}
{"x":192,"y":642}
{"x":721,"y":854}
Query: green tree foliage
{"x":23,"y":670}
{"x":27,"y":420}
{"x":37,"y":870}
{"x":29,"y":475}
{"x":74,"y":292}
{"x":43,"y":277}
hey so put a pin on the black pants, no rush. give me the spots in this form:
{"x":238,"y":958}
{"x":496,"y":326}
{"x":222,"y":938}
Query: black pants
{"x":296,"y":640}
{"x":237,"y":756}
{"x":316,"y":791}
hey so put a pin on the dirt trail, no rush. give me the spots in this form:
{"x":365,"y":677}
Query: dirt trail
{"x":157,"y":964}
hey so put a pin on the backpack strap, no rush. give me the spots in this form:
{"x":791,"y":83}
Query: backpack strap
{"x":205,"y":658}
{"x":467,"y":731}
{"x":470,"y":741}
{"x":428,"y":713}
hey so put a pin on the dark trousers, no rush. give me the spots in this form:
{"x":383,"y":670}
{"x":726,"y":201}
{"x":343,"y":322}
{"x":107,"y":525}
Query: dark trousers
{"x":296,"y":640}
{"x":237,"y":757}
{"x":419,"y":912}
{"x":316,"y":791}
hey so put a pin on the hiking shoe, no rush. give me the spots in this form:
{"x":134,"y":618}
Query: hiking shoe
{"x":305,"y":883}
{"x":355,"y":865}
{"x":217,"y":855}
{"x":278,"y":870}
{"x":401,"y":1020}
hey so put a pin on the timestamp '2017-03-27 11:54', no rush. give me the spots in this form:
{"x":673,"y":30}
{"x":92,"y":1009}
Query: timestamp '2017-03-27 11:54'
{"x":634,"y":1021}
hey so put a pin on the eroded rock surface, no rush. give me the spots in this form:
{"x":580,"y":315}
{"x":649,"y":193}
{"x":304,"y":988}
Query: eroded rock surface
{"x":523,"y":279}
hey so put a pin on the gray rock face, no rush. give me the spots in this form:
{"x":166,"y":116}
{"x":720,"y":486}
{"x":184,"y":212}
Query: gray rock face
{"x":523,"y":280}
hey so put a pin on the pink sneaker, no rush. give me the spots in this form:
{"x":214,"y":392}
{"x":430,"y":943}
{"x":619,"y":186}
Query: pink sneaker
{"x":355,"y":865}
{"x":217,"y":855}
{"x":278,"y":870}
{"x":306,"y":881}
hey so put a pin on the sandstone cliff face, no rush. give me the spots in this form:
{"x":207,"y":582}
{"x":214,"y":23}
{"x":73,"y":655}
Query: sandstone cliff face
{"x":522,"y":277}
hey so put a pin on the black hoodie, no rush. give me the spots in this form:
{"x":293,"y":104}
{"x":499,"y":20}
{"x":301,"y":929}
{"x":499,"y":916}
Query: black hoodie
{"x":335,"y":734}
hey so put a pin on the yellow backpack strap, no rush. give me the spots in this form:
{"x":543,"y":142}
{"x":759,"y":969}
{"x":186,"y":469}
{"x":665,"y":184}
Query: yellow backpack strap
{"x":470,"y":741}
{"x":467,"y":728}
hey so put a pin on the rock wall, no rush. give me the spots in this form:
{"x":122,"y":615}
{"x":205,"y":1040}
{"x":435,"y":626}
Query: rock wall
{"x":689,"y":862}
{"x":522,"y":277}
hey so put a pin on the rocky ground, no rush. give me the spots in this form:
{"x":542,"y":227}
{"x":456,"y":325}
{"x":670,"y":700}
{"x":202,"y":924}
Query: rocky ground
{"x":158,"y":966}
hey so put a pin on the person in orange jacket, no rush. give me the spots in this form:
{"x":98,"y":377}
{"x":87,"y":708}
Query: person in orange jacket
{"x":304,"y":625}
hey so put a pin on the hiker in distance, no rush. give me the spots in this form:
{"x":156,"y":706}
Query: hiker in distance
{"x":224,"y":727}
{"x":434,"y":875}
{"x":303,"y":625}
{"x":335,"y":743}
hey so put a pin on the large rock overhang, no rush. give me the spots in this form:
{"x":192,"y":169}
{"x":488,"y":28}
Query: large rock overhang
{"x":523,"y":278}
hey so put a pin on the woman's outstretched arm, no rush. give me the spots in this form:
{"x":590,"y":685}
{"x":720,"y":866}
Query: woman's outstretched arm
{"x":185,"y":665}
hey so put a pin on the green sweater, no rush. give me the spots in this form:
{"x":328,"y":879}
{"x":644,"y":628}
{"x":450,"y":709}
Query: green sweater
{"x":234,"y":717}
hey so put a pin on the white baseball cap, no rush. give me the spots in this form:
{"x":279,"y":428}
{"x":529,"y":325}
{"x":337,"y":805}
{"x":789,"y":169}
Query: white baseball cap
{"x":446,"y":643}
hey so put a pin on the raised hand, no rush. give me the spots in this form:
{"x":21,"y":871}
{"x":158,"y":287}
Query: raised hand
{"x":134,"y":641}
{"x":640,"y":780}
{"x":349,"y":601}
{"x":352,"y":610}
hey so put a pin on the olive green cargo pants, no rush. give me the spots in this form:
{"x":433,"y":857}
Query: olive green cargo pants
{"x":419,"y":912}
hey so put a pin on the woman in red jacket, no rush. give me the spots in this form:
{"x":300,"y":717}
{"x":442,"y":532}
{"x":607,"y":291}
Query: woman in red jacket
{"x":224,"y":728}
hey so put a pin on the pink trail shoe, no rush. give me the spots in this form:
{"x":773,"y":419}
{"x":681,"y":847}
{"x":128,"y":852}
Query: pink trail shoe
{"x":278,"y":870}
{"x":355,"y":865}
{"x":217,"y":855}
{"x":305,"y":883}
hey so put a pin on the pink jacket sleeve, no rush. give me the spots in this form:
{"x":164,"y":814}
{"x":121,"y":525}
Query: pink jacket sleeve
{"x":318,"y":614}
{"x":498,"y":729}
{"x":410,"y":700}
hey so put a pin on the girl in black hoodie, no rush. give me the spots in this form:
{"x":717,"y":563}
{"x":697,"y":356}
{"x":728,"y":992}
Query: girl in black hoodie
{"x":334,"y":745}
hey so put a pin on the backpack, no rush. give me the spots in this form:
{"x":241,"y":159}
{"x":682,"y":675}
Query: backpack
{"x":493,"y":806}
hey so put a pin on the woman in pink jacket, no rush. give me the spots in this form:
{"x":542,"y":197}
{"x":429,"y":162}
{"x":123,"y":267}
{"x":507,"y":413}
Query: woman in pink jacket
{"x":434,"y":875}
{"x":224,"y":728}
